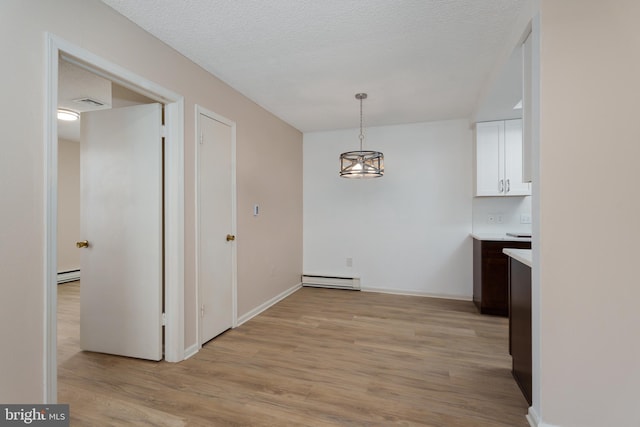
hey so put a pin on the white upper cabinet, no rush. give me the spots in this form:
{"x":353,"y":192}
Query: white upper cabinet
{"x":514,"y":160}
{"x":499,"y":159}
{"x":489,"y":158}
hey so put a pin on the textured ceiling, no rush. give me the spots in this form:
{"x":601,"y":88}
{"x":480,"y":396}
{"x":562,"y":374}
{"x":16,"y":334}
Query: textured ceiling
{"x":303,"y":60}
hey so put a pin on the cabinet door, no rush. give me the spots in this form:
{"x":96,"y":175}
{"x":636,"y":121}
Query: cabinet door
{"x":490,"y":158}
{"x":520,"y":325}
{"x":514,"y":183}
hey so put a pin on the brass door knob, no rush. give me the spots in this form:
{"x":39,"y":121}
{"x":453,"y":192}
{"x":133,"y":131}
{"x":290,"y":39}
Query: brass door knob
{"x":230,"y":237}
{"x":82,"y":244}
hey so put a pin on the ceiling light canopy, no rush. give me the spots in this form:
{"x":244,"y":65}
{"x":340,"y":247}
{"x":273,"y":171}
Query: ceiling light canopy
{"x":67,"y":115}
{"x":361,"y":164}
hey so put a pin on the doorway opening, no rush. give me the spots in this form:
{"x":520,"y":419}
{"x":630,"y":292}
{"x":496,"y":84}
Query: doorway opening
{"x":58,"y":49}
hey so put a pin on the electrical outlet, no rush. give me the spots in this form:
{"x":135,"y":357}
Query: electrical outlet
{"x":499,"y":219}
{"x":491,"y":219}
{"x":525,"y":219}
{"x":349,"y":262}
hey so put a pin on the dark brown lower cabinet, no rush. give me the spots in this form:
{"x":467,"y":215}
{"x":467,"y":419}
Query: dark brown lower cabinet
{"x":490,"y":275}
{"x":520,"y":325}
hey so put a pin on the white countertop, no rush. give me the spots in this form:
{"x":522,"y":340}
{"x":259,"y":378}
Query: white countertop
{"x":499,"y":237}
{"x":522,"y":255}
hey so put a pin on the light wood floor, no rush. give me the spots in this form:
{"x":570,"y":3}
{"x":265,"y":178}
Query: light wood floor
{"x":321,"y":357}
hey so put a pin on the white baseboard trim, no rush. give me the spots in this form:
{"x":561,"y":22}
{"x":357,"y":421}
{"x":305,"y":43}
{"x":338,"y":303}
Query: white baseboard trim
{"x":68,"y":276}
{"x":535,"y":421}
{"x":417,"y":294}
{"x":262,"y":307}
{"x":532,"y":417}
{"x":190,"y":351}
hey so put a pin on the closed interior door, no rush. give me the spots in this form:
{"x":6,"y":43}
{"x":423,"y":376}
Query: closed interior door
{"x":215,"y":227}
{"x":121,"y":219}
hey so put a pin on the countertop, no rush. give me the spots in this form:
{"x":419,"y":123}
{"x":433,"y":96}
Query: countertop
{"x":522,"y":255}
{"x":499,"y":237}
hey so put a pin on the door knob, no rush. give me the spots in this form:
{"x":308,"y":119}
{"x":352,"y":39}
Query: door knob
{"x":230,"y":237}
{"x":82,"y":244}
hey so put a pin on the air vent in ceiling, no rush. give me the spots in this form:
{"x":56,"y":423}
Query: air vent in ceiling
{"x":89,"y":101}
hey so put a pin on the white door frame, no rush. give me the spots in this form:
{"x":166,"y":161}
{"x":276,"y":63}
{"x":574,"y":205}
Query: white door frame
{"x":173,"y":204}
{"x":234,"y":281}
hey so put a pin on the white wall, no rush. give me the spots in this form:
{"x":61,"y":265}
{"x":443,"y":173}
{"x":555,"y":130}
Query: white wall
{"x":407,"y":231}
{"x":68,"y":205}
{"x":510,"y":208}
{"x":589,"y":207}
{"x":264,"y":270}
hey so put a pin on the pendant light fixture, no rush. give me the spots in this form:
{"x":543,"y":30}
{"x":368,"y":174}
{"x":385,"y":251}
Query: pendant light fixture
{"x":361,"y":164}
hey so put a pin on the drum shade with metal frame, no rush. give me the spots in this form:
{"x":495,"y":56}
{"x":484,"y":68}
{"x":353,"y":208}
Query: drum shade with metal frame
{"x":361,"y":164}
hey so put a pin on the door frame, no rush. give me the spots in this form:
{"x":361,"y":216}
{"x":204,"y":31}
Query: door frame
{"x":199,"y":110}
{"x":173,"y":197}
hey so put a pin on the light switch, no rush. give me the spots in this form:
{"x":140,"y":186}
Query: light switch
{"x":256,"y":210}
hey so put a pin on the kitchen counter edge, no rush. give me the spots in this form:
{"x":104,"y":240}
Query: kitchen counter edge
{"x":496,"y":237}
{"x":522,"y":255}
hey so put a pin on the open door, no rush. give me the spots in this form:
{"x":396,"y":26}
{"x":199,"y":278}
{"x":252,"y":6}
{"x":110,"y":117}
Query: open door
{"x":121,"y":220}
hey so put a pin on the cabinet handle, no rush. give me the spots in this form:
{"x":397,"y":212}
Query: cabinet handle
{"x":501,"y":186}
{"x":508,"y":186}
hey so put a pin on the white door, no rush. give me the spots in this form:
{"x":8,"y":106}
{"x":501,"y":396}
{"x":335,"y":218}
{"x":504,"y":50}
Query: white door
{"x":121,"y":218}
{"x":215,"y":227}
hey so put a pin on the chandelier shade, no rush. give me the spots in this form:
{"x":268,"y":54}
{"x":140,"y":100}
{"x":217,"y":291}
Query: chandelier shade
{"x":361,"y":164}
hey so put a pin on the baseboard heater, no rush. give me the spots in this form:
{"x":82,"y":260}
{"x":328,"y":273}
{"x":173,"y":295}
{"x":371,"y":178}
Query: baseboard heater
{"x":68,"y":276}
{"x":337,"y":282}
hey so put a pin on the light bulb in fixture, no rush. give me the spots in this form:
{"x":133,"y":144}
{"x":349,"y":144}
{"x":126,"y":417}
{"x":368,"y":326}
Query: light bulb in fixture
{"x":67,"y":115}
